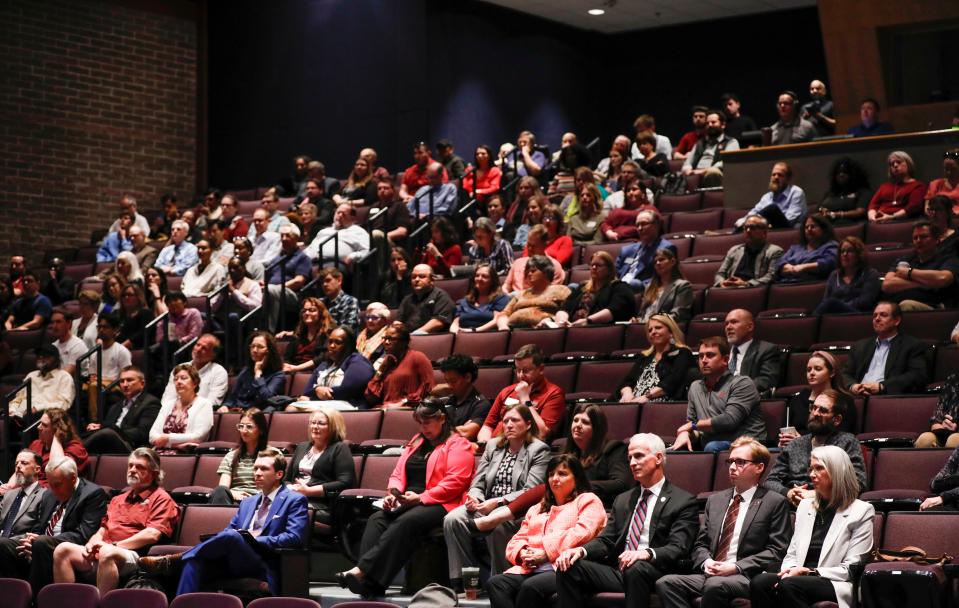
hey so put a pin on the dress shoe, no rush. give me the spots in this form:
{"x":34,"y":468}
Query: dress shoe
{"x":342,"y":579}
{"x":160,"y":564}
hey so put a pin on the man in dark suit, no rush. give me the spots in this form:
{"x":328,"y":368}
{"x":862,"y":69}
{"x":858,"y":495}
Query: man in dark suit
{"x":649,"y":530}
{"x":746,"y":527}
{"x":127,"y":423}
{"x":749,"y":357}
{"x":70,"y":511}
{"x":891,"y":363}
{"x":21,"y":505}
{"x":274,"y":518}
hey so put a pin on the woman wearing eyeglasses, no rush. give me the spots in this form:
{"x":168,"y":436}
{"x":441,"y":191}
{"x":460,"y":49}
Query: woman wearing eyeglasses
{"x":340,"y":380}
{"x":601,"y":299}
{"x":236,"y":469}
{"x":322,"y":466}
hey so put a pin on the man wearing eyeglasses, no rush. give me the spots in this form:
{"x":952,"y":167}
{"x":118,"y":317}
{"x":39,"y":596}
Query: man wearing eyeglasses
{"x":790,"y":475}
{"x":925,"y":280}
{"x":236,"y":226}
{"x":746,"y":527}
{"x":753,"y":262}
{"x":214,"y":379}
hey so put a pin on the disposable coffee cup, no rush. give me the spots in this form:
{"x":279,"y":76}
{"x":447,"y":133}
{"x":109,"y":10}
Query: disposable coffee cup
{"x":471,"y":582}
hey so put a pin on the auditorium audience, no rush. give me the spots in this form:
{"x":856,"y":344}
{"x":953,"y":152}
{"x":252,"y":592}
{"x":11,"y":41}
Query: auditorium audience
{"x":948,"y":184}
{"x":584,"y":224}
{"x":820,"y":110}
{"x":668,"y":291}
{"x":244,"y":250}
{"x":558,"y":245}
{"x":58,"y":287}
{"x":478,"y":309}
{"x":635,"y":262}
{"x":428,"y":309}
{"x":340,"y":377}
{"x":604,"y":167}
{"x":533,"y":389}
{"x":752,"y":263}
{"x":127,"y":422}
{"x":442,"y":251}
{"x":737,"y":123}
{"x":483,"y":180}
{"x":183,"y":424}
{"x":178,"y":255}
{"x":822,"y":374}
{"x":853,"y":286}
{"x":115,"y":356}
{"x":489,"y":248}
{"x":892,"y":362}
{"x":110,"y":297}
{"x":265,"y":242}
{"x":938,"y":210}
{"x":236,"y":225}
{"x":581,"y":177}
{"x":466,"y":406}
{"x":32,"y":309}
{"x":869,"y":124}
{"x":525,"y":159}
{"x":344,"y":308}
{"x":652,"y":161}
{"x":351,"y":243}
{"x":601,"y":299}
{"x":307,"y":342}
{"x":647,"y":123}
{"x":943,"y":432}
{"x":945,"y":486}
{"x":155,"y":290}
{"x":369,"y":342}
{"x":705,"y":158}
{"x":757,"y":359}
{"x":244,"y":294}
{"x":56,"y":437}
{"x":430,"y":479}
{"x":814,"y":257}
{"x":815,"y":570}
{"x":926,"y":279}
{"x":183,"y":324}
{"x":286,"y":277}
{"x":396,"y":283}
{"x":537,"y":305}
{"x":689,"y":139}
{"x":792,"y":473}
{"x":360,"y":187}
{"x":214,"y":380}
{"x":261,"y":379}
{"x":321,"y":466}
{"x":514,"y":461}
{"x":112,"y":553}
{"x":206,"y":276}
{"x":568,"y":517}
{"x":662,"y":371}
{"x":436,"y":196}
{"x":403,"y":375}
{"x":784,"y":206}
{"x":50,"y":386}
{"x":848,"y":196}
{"x":235,"y":472}
{"x":901,"y":197}
{"x":531,"y":217}
{"x":391,"y":225}
{"x":116,"y":240}
{"x":526,"y":190}
{"x":791,"y":128}
{"x":69,"y":346}
{"x":609,"y":178}
{"x":620,"y":223}
{"x":415,"y":177}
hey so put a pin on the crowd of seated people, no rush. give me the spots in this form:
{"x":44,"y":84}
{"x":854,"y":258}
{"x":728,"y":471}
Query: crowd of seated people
{"x":581,"y":522}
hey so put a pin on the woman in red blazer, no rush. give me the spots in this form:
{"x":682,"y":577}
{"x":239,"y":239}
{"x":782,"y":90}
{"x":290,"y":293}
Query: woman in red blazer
{"x":430,"y":479}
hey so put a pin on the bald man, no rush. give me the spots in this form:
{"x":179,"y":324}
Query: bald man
{"x":750,"y":357}
{"x":819,"y":110}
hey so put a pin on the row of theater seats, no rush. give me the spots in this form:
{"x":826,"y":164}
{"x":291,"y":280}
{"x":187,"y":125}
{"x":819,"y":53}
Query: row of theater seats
{"x":17,"y":594}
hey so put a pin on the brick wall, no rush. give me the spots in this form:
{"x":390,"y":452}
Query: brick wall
{"x":98,"y":98}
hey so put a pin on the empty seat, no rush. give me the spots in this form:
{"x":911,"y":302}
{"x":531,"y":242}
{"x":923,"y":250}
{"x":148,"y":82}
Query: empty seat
{"x":399,"y":424}
{"x":691,"y":471}
{"x":713,"y":198}
{"x":662,"y":419}
{"x":456,"y":288}
{"x":111,"y":471}
{"x":845,"y":328}
{"x":17,"y":593}
{"x":930,"y":326}
{"x":857,"y":230}
{"x":435,"y":346}
{"x":594,"y":339}
{"x":674,"y":203}
{"x":78,"y":270}
{"x":897,"y":417}
{"x":598,"y":379}
{"x":774,"y":414}
{"x":731,"y":216}
{"x":482,"y":346}
{"x":700,"y":269}
{"x":635,"y":336}
{"x":882,"y":257}
{"x":889,"y":232}
{"x":491,"y":380}
{"x":704,"y":326}
{"x":205,"y":474}
{"x":289,"y":427}
{"x":362,"y":425}
{"x":24,"y":340}
{"x":177,"y":470}
{"x":206,"y":600}
{"x":947,"y":362}
{"x":562,"y":375}
{"x":75,"y":595}
{"x":697,"y":221}
{"x":784,"y":238}
{"x":936,"y":533}
{"x":752,"y":299}
{"x":716,"y":244}
{"x":299,"y":384}
{"x":622,"y":420}
{"x":612,"y":249}
{"x":683,"y":246}
{"x":550,"y":341}
{"x":798,"y":295}
{"x":376,"y":473}
{"x":794,"y":330}
{"x":904,"y":474}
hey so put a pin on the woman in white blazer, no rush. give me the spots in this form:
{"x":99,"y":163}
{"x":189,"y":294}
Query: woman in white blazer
{"x":833,"y":532}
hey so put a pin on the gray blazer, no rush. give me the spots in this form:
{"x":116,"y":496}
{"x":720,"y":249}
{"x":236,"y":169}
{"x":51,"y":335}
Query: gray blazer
{"x":29,"y":515}
{"x":764,"y":269}
{"x":677,"y":301}
{"x":528,"y":472}
{"x":764,"y":536}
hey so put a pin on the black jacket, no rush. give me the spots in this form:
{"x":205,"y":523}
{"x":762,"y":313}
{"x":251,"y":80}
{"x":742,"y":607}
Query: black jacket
{"x":81,"y":518}
{"x":907,"y":366}
{"x":673,"y":371}
{"x":135,"y":427}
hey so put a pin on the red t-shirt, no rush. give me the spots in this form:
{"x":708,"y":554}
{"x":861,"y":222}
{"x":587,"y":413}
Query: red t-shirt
{"x":414,"y":178}
{"x":74,"y":449}
{"x":688,"y":142}
{"x":549,"y":401}
{"x":130,"y":513}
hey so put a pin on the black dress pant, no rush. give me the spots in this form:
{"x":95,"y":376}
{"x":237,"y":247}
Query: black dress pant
{"x":769,"y":591}
{"x":526,"y":590}
{"x":391,"y":537}
{"x":39,"y":571}
{"x":585,"y":578}
{"x":107,"y":441}
{"x":775,"y":217}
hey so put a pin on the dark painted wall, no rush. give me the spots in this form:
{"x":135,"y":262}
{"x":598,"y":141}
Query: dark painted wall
{"x":327,"y":77}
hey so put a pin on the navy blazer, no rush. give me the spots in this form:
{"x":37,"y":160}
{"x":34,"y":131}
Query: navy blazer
{"x":81,"y":517}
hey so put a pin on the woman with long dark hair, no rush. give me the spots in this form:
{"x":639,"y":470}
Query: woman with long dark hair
{"x":261,"y":379}
{"x":477,"y":310}
{"x":430,"y":479}
{"x":814,"y":257}
{"x":396,"y":285}
{"x":236,"y":468}
{"x":442,"y":252}
{"x":484,"y":180}
{"x":668,"y":291}
{"x":853,"y":286}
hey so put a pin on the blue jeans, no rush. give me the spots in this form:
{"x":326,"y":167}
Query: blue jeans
{"x":717,"y":446}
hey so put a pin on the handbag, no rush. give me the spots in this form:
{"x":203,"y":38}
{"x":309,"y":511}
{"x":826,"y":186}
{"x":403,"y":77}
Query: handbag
{"x":911,"y":554}
{"x":905,"y":578}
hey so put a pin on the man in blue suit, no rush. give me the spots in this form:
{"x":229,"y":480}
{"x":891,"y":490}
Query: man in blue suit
{"x":275,"y":518}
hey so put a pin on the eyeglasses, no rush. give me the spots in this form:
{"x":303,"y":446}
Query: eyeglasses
{"x":245,"y":427}
{"x":738,"y":462}
{"x":953,"y":154}
{"x":374,"y":317}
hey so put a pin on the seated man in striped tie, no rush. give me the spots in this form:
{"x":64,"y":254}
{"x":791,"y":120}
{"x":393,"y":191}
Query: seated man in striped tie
{"x":274,"y":518}
{"x":746,"y":527}
{"x":70,"y":511}
{"x":649,"y":530}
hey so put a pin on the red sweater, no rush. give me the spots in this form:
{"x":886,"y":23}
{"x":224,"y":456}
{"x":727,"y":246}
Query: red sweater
{"x":890,"y":198}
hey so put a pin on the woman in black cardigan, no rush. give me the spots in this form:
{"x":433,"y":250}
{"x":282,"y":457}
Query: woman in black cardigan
{"x":322,"y":467}
{"x":601,"y":299}
{"x":662,"y":373}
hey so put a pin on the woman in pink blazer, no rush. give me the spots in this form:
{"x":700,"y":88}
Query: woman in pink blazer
{"x":568,"y":517}
{"x":430,"y":479}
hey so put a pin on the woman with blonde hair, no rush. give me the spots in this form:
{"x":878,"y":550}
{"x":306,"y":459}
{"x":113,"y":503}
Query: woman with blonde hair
{"x":322,"y":466}
{"x":661,"y":373}
{"x":584,"y":225}
{"x":902,"y":196}
{"x":815,"y":570}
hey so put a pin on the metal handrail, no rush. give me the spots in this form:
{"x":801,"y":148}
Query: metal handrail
{"x":164,"y":347}
{"x":5,"y":417}
{"x":592,"y":144}
{"x":465,"y":207}
{"x":336,"y":249}
{"x":186,"y":347}
{"x":96,"y":350}
{"x":280,"y":261}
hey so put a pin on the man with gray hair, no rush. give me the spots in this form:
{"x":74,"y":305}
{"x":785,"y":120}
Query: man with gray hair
{"x":437,"y":197}
{"x":179,"y":254}
{"x":291,"y":272}
{"x":753,"y":262}
{"x":265,"y":242}
{"x":21,"y":502}
{"x":650,"y":528}
{"x":129,"y":203}
{"x":135,"y":520}
{"x":351,"y":241}
{"x":70,"y":511}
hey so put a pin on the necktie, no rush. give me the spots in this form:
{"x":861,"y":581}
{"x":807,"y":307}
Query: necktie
{"x":12,"y":513}
{"x":260,"y":520}
{"x":729,"y":524}
{"x":55,"y":519}
{"x":638,"y":521}
{"x":735,"y":360}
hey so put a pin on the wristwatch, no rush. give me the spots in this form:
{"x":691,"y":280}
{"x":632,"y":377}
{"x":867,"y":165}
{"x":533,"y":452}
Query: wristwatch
{"x":528,"y":404}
